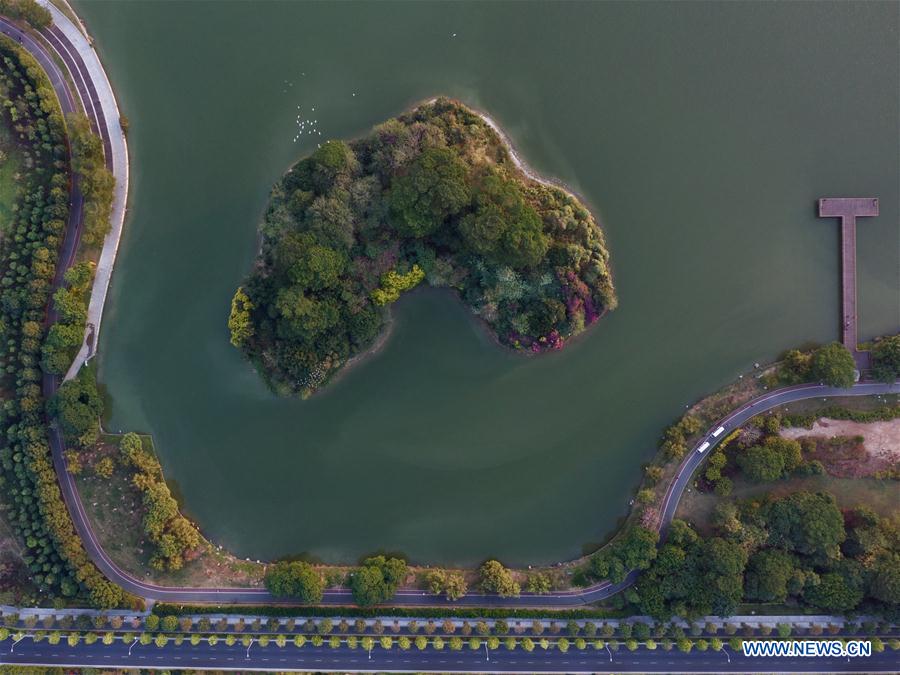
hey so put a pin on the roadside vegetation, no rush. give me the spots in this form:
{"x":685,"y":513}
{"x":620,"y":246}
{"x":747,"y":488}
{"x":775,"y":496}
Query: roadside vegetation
{"x":70,"y":304}
{"x":832,"y":364}
{"x":432,"y":196}
{"x":57,"y":562}
{"x":97,"y":182}
{"x":171,"y":631}
{"x":355,"y":629}
{"x":137,"y":519}
{"x":886,"y":358}
{"x":28,"y":11}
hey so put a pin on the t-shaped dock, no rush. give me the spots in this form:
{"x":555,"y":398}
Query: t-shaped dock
{"x":848,"y":209}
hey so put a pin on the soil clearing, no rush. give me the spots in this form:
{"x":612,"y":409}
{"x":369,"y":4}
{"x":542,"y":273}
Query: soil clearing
{"x":851,"y":449}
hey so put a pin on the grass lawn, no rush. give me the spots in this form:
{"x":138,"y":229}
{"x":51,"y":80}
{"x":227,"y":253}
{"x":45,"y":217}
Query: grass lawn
{"x":11,"y":162}
{"x":879,"y":495}
{"x":859,"y":403}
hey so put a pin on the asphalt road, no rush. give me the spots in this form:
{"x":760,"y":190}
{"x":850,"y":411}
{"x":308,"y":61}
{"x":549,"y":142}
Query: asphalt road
{"x":271,"y":658}
{"x":87,"y":100}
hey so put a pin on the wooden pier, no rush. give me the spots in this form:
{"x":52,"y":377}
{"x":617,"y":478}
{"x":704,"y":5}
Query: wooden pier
{"x":848,"y":210}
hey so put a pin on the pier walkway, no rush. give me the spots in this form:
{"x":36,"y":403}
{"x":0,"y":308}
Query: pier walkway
{"x":848,"y":209}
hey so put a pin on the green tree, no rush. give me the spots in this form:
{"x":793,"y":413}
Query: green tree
{"x":761,"y":463}
{"x":305,"y":262}
{"x":295,"y":579}
{"x":432,"y":189}
{"x":239,"y":323}
{"x":835,"y":593}
{"x":834,"y":365}
{"x":885,"y":584}
{"x":886,"y":358}
{"x":377,"y":580}
{"x":97,"y":182}
{"x":495,"y":578}
{"x":503,"y":227}
{"x":27,"y":10}
{"x":77,"y":406}
{"x":807,"y":523}
{"x":538,"y":582}
{"x":768,"y":574}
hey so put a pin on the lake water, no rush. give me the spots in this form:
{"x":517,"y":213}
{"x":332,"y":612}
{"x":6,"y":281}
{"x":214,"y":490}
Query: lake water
{"x":701,"y":134}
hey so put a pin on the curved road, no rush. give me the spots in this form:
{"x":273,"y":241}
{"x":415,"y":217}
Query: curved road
{"x":85,"y":98}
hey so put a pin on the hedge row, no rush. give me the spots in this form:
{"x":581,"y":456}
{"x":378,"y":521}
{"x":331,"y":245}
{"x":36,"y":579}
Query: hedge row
{"x":882,"y":414}
{"x":163,"y":609}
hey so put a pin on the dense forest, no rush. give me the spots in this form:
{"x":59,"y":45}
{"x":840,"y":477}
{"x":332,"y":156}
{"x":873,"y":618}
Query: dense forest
{"x":800,"y":548}
{"x":430,"y":196}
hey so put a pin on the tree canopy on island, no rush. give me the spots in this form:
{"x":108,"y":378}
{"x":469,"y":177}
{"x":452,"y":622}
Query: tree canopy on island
{"x":432,"y":196}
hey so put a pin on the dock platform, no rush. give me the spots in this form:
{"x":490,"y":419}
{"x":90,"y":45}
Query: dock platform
{"x":848,"y":209}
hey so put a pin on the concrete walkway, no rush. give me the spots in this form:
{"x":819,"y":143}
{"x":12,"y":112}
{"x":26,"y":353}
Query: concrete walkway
{"x":848,"y":209}
{"x":117,"y":162}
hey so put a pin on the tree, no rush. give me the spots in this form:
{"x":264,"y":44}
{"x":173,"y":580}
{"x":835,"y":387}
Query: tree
{"x":886,"y":358}
{"x":761,"y":463}
{"x":452,"y":584}
{"x":368,"y":586}
{"x":503,"y":227}
{"x":331,"y":162}
{"x":885,"y":584}
{"x":435,"y":580}
{"x":27,"y":10}
{"x":789,"y":450}
{"x":807,"y":523}
{"x":305,"y":262}
{"x":634,"y":549}
{"x":835,"y":593}
{"x":295,"y":579}
{"x":393,"y":284}
{"x":495,"y":578}
{"x":433,"y":188}
{"x":377,"y":580}
{"x":834,"y":365}
{"x":456,"y":586}
{"x":721,"y":569}
{"x":767,"y":576}
{"x":239,"y":323}
{"x":97,"y":182}
{"x":538,"y":582}
{"x":77,"y":406}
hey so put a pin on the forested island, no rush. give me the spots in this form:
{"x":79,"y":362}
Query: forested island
{"x":434,"y":195}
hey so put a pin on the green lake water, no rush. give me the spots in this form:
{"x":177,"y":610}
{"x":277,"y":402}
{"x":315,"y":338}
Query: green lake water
{"x":701,"y":134}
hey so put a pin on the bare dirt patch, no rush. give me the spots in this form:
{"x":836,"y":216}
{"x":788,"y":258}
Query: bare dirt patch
{"x":851,"y":449}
